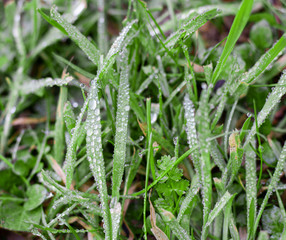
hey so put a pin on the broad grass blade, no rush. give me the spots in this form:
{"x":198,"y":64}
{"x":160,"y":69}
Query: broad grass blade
{"x":237,"y":27}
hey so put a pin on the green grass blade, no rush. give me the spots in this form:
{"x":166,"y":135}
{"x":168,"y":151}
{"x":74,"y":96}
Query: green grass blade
{"x":259,"y":67}
{"x":237,"y":27}
{"x":218,"y":207}
{"x":270,"y":103}
{"x":86,"y":46}
{"x":69,"y":117}
{"x":121,"y":128}
{"x":102,"y":37}
{"x":120,"y":42}
{"x":272,"y":185}
{"x":146,"y":185}
{"x":60,"y":126}
{"x":174,"y":225}
{"x":70,"y":160}
{"x":95,"y":155}
{"x":189,"y":27}
{"x":205,"y":164}
{"x":192,"y":133}
{"x":251,"y":190}
{"x":33,"y":86}
{"x":192,"y":192}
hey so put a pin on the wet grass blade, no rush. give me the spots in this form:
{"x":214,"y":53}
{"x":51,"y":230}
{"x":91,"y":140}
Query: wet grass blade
{"x":205,"y":164}
{"x":95,"y":155}
{"x":88,"y":48}
{"x":237,"y":27}
{"x":251,"y":190}
{"x":272,"y":186}
{"x":121,"y":128}
{"x":70,"y":160}
{"x":270,"y":103}
{"x":192,"y":133}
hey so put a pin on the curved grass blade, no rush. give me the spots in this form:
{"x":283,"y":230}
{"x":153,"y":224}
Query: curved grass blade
{"x":241,"y":86}
{"x":70,"y":160}
{"x":116,"y":47}
{"x":218,"y":207}
{"x":95,"y":155}
{"x":88,"y":48}
{"x":270,"y":103}
{"x":237,"y":27}
{"x":192,"y":192}
{"x":189,"y":27}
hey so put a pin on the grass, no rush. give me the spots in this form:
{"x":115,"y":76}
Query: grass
{"x":130,"y":122}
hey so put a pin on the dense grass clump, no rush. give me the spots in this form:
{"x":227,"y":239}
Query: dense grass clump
{"x":143,"y":120}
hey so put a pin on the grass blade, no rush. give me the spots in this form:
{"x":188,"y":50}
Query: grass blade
{"x":60,"y":126}
{"x":86,"y":46}
{"x":95,"y":155}
{"x":121,"y":128}
{"x":218,"y":207}
{"x":270,"y":103}
{"x":272,"y":185}
{"x":192,"y":192}
{"x":192,"y":133}
{"x":237,"y":27}
{"x":70,"y":160}
{"x":206,"y":178}
{"x":251,"y":190}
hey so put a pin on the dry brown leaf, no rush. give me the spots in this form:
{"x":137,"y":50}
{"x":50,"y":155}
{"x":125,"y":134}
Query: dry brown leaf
{"x":158,"y":233}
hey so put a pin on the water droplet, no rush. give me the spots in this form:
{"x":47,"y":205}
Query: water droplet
{"x":92,"y":104}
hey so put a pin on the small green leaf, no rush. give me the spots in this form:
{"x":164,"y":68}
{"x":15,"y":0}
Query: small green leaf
{"x":36,"y":196}
{"x":14,"y":217}
{"x":261,"y":34}
{"x":21,"y":168}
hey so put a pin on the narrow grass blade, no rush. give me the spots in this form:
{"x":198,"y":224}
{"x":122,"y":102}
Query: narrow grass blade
{"x":217,"y":156}
{"x":33,"y":86}
{"x":192,"y":133}
{"x":192,"y":192}
{"x":205,"y":164}
{"x":237,"y":27}
{"x":121,"y":128}
{"x":73,"y":66}
{"x":120,"y":42}
{"x":115,"y":211}
{"x":260,"y":66}
{"x":88,"y":48}
{"x":251,"y":190}
{"x":102,"y":27}
{"x":270,"y":103}
{"x":272,"y":185}
{"x":218,"y":207}
{"x":69,"y":117}
{"x":174,"y":225}
{"x":70,"y":160}
{"x":60,"y":126}
{"x":146,"y":185}
{"x":189,"y":27}
{"x":95,"y":155}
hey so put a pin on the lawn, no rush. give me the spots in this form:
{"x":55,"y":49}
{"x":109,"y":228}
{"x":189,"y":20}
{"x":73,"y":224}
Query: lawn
{"x":127,"y":119}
